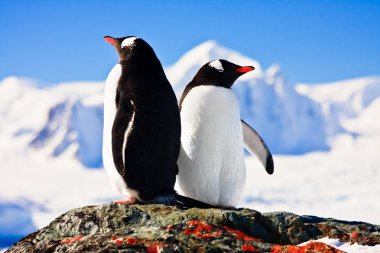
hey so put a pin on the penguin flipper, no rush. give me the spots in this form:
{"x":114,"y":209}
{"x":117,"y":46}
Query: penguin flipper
{"x":178,"y":200}
{"x":123,"y":114}
{"x":257,"y":147}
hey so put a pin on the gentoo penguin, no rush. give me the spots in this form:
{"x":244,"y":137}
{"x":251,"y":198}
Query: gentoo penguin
{"x":211,"y":161}
{"x":142,"y":128}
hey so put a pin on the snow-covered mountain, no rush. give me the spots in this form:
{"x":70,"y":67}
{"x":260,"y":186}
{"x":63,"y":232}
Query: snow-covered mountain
{"x":56,"y":120}
{"x":292,"y":119}
{"x":290,"y":123}
{"x":347,"y":98}
{"x":67,"y":117}
{"x":51,"y":136}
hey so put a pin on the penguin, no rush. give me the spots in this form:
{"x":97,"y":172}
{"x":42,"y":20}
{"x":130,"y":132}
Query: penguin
{"x":211,"y":161}
{"x":142,"y":127}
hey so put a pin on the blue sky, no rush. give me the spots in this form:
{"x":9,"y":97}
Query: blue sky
{"x":313,"y":41}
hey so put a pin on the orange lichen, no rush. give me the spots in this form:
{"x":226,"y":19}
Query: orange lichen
{"x":130,"y":240}
{"x":72,"y":239}
{"x":117,"y":241}
{"x":249,"y":247}
{"x":201,"y":230}
{"x":240,"y":235}
{"x":311,"y":247}
{"x":155,"y":248}
{"x":188,"y":231}
{"x":121,"y":240}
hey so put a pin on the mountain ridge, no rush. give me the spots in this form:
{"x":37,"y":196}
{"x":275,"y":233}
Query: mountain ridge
{"x":291,"y":119}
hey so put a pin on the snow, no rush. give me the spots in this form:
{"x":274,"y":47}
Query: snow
{"x":347,"y":247}
{"x":342,"y":99}
{"x":325,"y":138}
{"x":356,"y":95}
{"x":52,"y":119}
{"x":342,"y":183}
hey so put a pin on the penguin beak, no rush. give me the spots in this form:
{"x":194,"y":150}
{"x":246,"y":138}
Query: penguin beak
{"x":110,"y":40}
{"x":245,"y":69}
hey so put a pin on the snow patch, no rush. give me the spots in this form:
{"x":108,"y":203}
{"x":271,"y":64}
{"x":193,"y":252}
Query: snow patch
{"x":346,"y":247}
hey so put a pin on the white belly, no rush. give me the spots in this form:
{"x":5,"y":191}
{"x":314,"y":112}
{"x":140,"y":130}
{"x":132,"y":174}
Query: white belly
{"x":211,"y":162}
{"x":117,"y":181}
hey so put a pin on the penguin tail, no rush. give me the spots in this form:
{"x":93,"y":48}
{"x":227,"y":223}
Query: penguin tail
{"x":180,"y":201}
{"x":187,"y":202}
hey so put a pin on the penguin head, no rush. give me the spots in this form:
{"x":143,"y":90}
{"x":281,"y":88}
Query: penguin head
{"x":129,"y":47}
{"x":220,"y":73}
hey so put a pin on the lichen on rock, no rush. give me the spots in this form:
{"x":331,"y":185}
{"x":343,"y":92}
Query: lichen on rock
{"x":159,"y":228}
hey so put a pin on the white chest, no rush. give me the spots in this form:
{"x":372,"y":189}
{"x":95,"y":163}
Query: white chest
{"x":211,"y":162}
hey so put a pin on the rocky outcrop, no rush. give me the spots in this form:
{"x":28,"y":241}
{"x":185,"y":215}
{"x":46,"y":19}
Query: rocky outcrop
{"x":158,"y":228}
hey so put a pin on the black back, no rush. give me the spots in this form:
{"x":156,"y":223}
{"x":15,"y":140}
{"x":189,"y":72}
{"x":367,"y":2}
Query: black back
{"x":208,"y":75}
{"x":145,"y":96}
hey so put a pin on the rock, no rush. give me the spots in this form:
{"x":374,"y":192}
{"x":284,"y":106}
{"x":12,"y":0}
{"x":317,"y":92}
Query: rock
{"x":159,"y":228}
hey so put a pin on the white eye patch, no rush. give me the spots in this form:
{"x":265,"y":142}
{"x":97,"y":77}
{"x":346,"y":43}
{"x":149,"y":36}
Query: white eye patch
{"x":216,"y":65}
{"x":128,"y":42}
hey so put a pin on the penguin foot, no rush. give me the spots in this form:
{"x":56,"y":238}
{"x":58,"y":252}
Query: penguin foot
{"x":127,"y":201}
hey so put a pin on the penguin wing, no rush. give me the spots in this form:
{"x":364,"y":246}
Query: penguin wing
{"x":256,"y":146}
{"x":119,"y":128}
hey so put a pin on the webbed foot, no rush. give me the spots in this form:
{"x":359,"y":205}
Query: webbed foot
{"x":127,"y":201}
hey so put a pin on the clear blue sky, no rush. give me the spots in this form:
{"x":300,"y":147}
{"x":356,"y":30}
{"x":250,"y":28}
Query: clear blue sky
{"x":314,"y":41}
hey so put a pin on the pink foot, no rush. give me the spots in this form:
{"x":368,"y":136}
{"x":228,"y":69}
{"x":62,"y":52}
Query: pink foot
{"x":127,"y":201}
